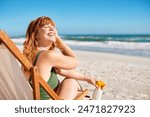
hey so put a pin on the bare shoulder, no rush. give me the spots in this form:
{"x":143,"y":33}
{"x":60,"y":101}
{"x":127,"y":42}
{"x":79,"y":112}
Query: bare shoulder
{"x":48,"y":55}
{"x":51,"y":54}
{"x":44,"y":57}
{"x":56,"y":59}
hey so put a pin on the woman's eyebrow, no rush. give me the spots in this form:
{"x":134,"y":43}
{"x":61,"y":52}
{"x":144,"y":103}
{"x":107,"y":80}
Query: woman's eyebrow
{"x":46,"y":25}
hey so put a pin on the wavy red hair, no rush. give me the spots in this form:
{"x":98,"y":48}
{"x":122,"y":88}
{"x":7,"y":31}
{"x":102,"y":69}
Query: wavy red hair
{"x":31,"y":42}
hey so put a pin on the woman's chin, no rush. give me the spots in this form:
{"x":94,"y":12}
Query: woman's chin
{"x":53,"y":39}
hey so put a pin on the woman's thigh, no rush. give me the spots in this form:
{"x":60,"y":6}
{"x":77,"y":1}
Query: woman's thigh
{"x":68,"y":89}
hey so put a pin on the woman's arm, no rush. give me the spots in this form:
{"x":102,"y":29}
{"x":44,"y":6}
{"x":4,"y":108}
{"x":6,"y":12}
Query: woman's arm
{"x":64,"y":60}
{"x":64,"y":48}
{"x":67,"y":51}
{"x":58,"y":60}
{"x":76,"y":75}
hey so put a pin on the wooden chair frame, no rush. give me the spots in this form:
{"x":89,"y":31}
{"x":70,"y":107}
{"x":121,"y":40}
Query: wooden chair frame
{"x":36,"y":77}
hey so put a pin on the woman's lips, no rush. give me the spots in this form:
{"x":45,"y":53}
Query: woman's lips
{"x":50,"y":34}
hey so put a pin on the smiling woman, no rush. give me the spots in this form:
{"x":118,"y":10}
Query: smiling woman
{"x":49,"y":32}
{"x":41,"y":39}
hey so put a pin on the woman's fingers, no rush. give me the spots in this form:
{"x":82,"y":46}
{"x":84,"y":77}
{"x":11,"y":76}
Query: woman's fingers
{"x":92,"y":81}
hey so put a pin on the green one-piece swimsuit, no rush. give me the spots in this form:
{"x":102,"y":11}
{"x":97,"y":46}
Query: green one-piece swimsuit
{"x":53,"y":81}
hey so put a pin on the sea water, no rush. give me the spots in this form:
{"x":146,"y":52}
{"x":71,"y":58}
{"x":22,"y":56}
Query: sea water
{"x":135,"y":45}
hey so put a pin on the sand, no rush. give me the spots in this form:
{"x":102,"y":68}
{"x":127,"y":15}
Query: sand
{"x":126,"y":77}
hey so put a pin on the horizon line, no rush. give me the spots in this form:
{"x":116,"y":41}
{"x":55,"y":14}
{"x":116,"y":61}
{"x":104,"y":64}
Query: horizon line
{"x":22,"y":35}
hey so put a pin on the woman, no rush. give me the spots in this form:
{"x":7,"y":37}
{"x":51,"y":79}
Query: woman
{"x":41,"y":39}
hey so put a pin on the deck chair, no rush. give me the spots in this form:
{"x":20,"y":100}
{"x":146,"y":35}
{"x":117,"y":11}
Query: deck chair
{"x":13,"y":84}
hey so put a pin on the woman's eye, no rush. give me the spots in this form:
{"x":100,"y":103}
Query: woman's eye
{"x":45,"y":27}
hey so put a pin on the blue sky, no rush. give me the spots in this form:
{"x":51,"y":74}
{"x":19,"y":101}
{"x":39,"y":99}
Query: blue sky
{"x":78,"y":16}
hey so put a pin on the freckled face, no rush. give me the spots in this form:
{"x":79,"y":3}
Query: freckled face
{"x":47,"y":32}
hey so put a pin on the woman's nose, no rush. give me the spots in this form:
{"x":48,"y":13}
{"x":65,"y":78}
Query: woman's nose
{"x":51,"y":28}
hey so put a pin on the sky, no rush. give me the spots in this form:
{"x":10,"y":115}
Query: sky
{"x":78,"y":16}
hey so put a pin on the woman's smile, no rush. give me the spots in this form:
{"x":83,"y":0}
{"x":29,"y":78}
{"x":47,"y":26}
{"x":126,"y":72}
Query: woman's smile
{"x":50,"y":34}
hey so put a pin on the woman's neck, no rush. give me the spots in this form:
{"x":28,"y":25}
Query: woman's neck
{"x":44,"y":46}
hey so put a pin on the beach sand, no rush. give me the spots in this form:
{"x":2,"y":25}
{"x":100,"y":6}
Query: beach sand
{"x":126,"y":77}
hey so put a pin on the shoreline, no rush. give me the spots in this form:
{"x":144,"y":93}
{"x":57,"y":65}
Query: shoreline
{"x":139,"y":49}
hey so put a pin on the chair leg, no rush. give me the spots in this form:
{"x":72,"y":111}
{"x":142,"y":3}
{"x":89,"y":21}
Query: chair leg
{"x":35,"y":83}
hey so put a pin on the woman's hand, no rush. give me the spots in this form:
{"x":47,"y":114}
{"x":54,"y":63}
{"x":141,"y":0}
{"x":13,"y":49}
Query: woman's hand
{"x":59,"y":42}
{"x":55,"y":32}
{"x":90,"y":80}
{"x":64,"y":48}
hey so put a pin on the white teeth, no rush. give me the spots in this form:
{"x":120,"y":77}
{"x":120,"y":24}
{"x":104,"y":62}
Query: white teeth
{"x":50,"y":34}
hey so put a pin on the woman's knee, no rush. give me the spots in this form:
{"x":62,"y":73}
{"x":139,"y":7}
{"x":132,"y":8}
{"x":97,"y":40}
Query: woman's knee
{"x":68,"y":89}
{"x":71,"y":83}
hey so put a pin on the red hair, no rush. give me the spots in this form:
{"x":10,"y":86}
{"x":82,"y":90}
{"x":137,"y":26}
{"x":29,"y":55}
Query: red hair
{"x":31,"y":43}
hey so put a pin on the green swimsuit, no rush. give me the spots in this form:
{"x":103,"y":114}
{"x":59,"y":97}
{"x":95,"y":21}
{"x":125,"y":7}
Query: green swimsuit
{"x":53,"y":81}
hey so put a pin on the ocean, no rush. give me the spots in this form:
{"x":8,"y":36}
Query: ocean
{"x":134,"y":45}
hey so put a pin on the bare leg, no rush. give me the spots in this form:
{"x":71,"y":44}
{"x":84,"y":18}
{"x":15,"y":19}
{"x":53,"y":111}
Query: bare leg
{"x":68,"y":89}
